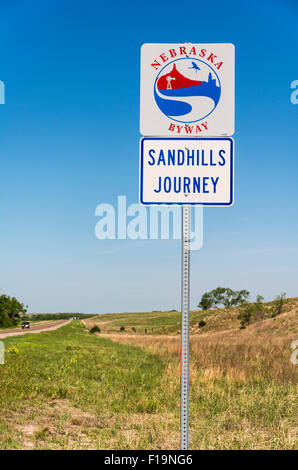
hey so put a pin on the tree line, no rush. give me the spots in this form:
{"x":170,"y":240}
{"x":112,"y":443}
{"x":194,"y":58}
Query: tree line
{"x":57,"y":316}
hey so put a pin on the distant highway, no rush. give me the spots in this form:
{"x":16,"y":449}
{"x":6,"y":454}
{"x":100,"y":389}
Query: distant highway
{"x":34,"y":328}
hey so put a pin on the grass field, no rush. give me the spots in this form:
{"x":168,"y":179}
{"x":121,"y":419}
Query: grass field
{"x":155,"y":322}
{"x":72,"y":389}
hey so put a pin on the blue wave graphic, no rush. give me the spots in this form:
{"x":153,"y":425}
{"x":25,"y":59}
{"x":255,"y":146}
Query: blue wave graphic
{"x":172,"y":108}
{"x":179,"y":108}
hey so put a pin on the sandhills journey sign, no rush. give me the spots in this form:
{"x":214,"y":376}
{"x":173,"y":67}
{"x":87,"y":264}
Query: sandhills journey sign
{"x":186,"y":171}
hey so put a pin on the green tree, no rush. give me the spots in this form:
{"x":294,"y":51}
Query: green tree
{"x":206,"y":301}
{"x":10,"y":310}
{"x":223,"y":296}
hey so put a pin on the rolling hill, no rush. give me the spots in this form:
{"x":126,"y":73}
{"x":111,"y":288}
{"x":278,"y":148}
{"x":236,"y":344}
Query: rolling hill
{"x":217,"y":320}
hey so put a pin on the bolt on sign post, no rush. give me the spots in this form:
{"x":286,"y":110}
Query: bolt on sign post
{"x":187,"y":154}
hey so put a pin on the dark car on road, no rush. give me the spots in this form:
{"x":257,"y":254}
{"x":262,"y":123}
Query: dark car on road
{"x":25,"y":324}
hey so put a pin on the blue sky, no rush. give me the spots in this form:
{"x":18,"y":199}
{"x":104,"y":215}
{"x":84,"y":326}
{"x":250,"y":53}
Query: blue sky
{"x":69,"y":141}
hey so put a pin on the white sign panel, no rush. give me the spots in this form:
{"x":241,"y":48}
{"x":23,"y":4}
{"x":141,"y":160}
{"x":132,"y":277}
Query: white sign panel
{"x":187,"y":90}
{"x":186,"y":171}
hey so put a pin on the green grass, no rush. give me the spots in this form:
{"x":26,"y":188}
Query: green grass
{"x":69,"y":389}
{"x":71,"y":363}
{"x":161,"y":322}
{"x":89,"y":373}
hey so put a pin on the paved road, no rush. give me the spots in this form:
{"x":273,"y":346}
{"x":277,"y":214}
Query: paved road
{"x":35,"y":328}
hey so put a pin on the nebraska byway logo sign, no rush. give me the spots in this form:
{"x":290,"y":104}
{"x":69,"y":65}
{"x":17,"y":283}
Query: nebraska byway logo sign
{"x":187,"y":90}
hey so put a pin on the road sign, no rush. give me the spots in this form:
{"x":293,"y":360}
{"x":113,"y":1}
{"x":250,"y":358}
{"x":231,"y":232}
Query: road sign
{"x":187,"y":90}
{"x":186,"y":171}
{"x":187,"y":107}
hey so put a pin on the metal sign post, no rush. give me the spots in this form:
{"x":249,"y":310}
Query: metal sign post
{"x":185,"y":278}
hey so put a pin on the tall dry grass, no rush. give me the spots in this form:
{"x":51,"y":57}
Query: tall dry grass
{"x":237,"y":356}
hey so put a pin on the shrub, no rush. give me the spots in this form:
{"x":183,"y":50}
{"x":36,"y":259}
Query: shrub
{"x":278,"y":305}
{"x":122,"y":328}
{"x":254,"y":311}
{"x":201,"y":323}
{"x":245,"y":315}
{"x":95,"y":329}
